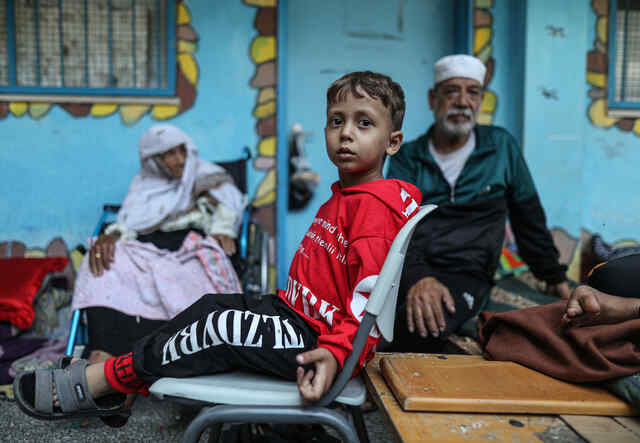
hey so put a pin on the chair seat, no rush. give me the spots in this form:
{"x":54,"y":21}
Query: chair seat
{"x":247,"y":388}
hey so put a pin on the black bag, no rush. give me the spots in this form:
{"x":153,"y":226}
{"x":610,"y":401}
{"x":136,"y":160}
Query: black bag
{"x":302,"y":180}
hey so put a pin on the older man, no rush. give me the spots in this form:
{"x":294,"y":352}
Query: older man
{"x":477,"y":176}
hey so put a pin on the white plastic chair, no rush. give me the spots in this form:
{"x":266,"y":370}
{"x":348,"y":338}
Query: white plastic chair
{"x":254,"y":398}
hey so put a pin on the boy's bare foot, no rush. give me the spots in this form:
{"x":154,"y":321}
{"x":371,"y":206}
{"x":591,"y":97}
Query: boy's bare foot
{"x":588,"y":306}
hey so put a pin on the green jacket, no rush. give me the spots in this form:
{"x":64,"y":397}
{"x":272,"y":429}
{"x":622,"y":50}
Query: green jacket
{"x":467,"y":231}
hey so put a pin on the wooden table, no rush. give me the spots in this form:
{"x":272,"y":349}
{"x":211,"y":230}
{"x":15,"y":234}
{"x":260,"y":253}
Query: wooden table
{"x":456,"y":427}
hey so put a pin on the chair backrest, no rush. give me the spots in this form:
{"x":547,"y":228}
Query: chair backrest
{"x":238,"y":169}
{"x":380,"y":309}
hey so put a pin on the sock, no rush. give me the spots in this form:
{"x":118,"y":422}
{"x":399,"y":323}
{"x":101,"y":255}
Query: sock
{"x":121,"y":376}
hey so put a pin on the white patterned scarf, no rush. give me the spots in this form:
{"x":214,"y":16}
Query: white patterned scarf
{"x":154,"y":195}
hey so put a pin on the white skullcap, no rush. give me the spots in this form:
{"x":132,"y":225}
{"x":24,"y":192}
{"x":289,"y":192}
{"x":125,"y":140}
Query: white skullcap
{"x":459,"y":65}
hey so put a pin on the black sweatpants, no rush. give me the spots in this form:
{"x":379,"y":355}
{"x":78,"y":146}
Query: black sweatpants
{"x":469,"y":294}
{"x":222,"y":332}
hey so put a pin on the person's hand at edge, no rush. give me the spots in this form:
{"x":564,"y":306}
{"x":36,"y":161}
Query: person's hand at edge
{"x":560,"y":290}
{"x":587,"y":306}
{"x":424,"y":307}
{"x":102,"y":253}
{"x":314,"y":384}
{"x":227,"y":244}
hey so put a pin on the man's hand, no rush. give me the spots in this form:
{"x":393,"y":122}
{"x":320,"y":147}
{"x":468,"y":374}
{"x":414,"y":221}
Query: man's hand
{"x":227,"y":243}
{"x":101,"y":254}
{"x":312,"y":385}
{"x":560,"y":290}
{"x":424,"y":307}
{"x":588,"y":306}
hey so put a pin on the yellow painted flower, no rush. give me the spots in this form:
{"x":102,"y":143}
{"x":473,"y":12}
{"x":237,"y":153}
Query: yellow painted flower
{"x":103,"y":109}
{"x":266,"y":94}
{"x":37,"y":110}
{"x":262,"y":3}
{"x":189,"y":67}
{"x":481,"y":37}
{"x":266,"y":193}
{"x":18,"y":108}
{"x":601,"y":29}
{"x":598,"y":114}
{"x":164,"y":112}
{"x":267,"y":147}
{"x":183,"y":16}
{"x":132,"y":113}
{"x":263,"y":49}
{"x":597,"y":79}
{"x":265,"y":110}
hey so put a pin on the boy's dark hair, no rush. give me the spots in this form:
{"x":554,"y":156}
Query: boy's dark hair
{"x":376,"y":86}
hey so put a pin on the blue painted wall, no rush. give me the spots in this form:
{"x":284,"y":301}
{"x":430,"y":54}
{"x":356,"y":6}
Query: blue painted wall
{"x":508,"y":52}
{"x":581,"y":184}
{"x":56,"y":172}
{"x":330,"y":38}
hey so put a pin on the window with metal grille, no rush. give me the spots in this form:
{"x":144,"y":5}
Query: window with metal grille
{"x":624,"y":57}
{"x":88,"y":47}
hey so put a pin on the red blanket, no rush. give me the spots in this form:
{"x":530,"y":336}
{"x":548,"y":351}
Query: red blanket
{"x":20,"y":279}
{"x":535,"y":337}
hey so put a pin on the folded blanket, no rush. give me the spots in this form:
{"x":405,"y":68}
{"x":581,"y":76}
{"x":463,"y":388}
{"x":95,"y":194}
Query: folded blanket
{"x":155,"y":283}
{"x":20,"y":280}
{"x":535,"y":337}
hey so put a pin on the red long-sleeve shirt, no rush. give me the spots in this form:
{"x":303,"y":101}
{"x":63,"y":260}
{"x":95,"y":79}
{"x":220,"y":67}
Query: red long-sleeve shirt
{"x":339,"y":259}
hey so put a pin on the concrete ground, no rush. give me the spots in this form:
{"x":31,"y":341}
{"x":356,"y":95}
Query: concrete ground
{"x":152,"y":421}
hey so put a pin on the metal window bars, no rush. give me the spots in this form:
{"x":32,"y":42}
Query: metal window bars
{"x":627,"y":51}
{"x":106,"y":47}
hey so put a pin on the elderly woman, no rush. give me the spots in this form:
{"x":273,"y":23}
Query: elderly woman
{"x":170,"y":244}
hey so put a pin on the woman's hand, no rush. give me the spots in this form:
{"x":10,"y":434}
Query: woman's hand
{"x":313,"y":386}
{"x":102,"y":253}
{"x":227,"y":243}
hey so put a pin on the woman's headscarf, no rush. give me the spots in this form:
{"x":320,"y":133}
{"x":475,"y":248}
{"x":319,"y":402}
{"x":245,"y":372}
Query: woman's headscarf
{"x":155,"y":195}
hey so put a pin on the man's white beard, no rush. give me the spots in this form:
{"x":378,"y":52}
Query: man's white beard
{"x":457,"y":129}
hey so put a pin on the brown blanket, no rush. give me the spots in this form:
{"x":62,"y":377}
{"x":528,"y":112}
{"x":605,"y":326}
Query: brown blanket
{"x":535,"y":337}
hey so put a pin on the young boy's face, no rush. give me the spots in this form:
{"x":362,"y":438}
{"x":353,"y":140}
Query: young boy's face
{"x":358,"y":134}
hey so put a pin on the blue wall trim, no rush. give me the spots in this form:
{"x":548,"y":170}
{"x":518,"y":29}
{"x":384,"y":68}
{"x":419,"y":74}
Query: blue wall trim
{"x":282,"y":151}
{"x":86,"y":91}
{"x":463,"y":13}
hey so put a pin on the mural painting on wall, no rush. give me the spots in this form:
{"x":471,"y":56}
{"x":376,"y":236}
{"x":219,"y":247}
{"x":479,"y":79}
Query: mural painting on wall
{"x":483,"y":49}
{"x":262,"y":52}
{"x":597,"y":71}
{"x":186,"y":84}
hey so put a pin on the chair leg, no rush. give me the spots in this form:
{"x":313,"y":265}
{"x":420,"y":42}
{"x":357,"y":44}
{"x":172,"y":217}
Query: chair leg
{"x":274,"y":414}
{"x":358,"y":421}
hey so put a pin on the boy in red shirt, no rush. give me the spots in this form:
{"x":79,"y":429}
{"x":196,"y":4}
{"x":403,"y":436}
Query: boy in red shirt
{"x":305,"y":332}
